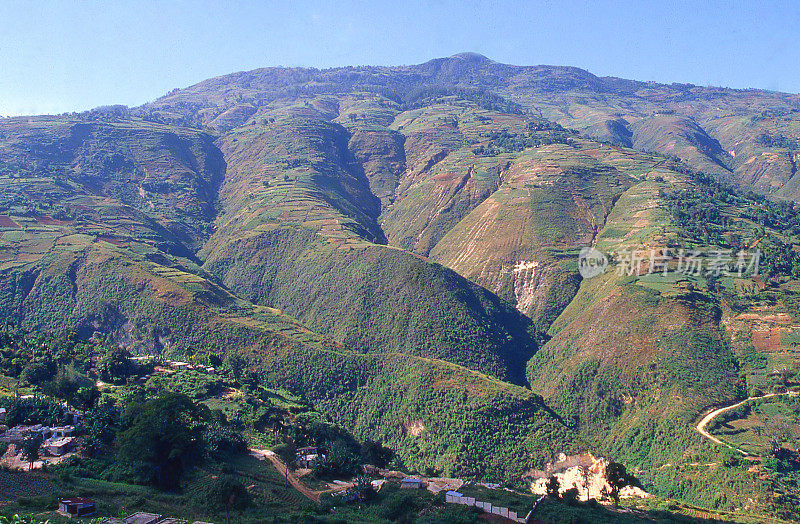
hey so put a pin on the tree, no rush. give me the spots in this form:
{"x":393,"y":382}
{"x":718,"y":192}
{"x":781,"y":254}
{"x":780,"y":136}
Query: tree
{"x":219,"y":440}
{"x":779,"y":430}
{"x":339,"y":461}
{"x":553,"y":486}
{"x":159,"y":439}
{"x":252,"y":381}
{"x":116,"y":365}
{"x":39,"y":371}
{"x":376,"y":454}
{"x":584,"y":471}
{"x":617,"y":478}
{"x":36,"y":410}
{"x":102,"y":425}
{"x":86,"y":397}
{"x":570,"y":496}
{"x":235,"y":363}
{"x":364,"y":488}
{"x":30,"y":448}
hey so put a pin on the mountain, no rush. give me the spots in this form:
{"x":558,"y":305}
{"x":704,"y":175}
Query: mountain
{"x":399,"y":246}
{"x":746,"y":136}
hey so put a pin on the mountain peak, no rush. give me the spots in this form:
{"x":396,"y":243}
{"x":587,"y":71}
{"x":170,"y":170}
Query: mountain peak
{"x":472,"y":57}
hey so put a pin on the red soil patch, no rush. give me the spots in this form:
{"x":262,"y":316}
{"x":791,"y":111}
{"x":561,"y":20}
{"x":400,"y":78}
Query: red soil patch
{"x":5,"y":221}
{"x":115,"y":241}
{"x":594,"y":152}
{"x":448,"y":176}
{"x":767,"y":341}
{"x":50,"y":221}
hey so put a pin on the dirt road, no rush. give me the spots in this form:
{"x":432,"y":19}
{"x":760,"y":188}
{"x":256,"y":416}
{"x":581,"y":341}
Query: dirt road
{"x":265,"y":454}
{"x":701,"y":425}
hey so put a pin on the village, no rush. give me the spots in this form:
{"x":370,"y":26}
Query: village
{"x":45,"y":444}
{"x":36,"y":446}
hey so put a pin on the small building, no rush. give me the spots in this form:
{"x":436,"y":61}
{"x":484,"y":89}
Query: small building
{"x":306,"y":457}
{"x":17,"y":434}
{"x":3,"y":414}
{"x":61,"y":431}
{"x":76,"y":507}
{"x":58,"y":446}
{"x":411,"y":483}
{"x":179,"y":365}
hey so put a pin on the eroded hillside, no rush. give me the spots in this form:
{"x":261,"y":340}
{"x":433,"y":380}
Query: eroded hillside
{"x":399,"y":246}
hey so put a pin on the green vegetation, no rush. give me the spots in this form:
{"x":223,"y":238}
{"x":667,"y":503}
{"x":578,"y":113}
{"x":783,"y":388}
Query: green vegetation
{"x":540,"y":134}
{"x":275,"y":225}
{"x":406,"y":305}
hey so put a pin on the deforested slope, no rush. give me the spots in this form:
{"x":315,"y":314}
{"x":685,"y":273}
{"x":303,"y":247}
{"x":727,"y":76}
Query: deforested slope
{"x":297,"y":232}
{"x":105,"y":267}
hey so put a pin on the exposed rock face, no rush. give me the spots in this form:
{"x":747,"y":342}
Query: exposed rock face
{"x":585,"y":472}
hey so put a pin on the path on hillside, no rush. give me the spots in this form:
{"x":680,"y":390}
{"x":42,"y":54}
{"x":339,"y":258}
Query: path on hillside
{"x":262,"y":454}
{"x":701,"y":425}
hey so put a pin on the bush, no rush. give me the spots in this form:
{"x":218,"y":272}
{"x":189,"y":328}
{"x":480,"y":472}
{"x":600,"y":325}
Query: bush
{"x":39,"y":371}
{"x":339,"y":461}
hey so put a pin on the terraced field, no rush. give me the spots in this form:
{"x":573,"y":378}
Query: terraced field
{"x":399,"y":246}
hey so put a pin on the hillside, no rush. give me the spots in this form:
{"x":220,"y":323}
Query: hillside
{"x":399,"y":246}
{"x":747,"y":136}
{"x":105,"y":266}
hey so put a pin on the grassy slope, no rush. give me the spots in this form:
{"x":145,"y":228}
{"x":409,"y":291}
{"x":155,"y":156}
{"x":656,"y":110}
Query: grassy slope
{"x":330,"y":201}
{"x":471,"y":421}
{"x":679,"y":119}
{"x":169,"y":173}
{"x":443,"y":180}
{"x":294,"y":235}
{"x":113,"y":269}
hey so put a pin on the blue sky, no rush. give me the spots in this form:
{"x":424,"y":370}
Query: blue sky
{"x":58,"y":56}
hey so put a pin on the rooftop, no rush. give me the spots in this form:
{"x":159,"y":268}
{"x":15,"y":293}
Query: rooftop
{"x":76,"y":500}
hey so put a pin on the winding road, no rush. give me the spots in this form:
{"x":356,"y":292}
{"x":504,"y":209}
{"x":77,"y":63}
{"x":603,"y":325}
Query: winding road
{"x":701,"y":425}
